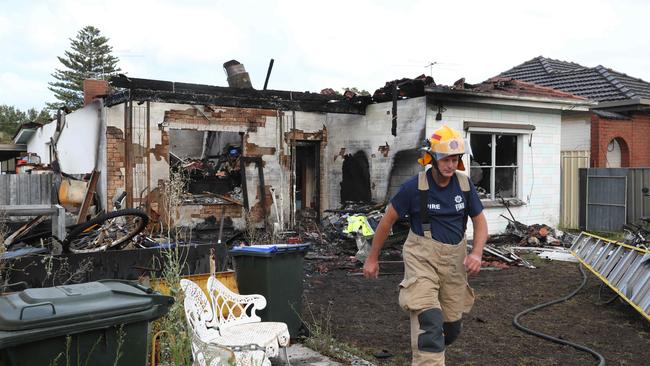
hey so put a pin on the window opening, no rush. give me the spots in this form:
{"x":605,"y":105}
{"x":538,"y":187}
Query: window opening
{"x":494,"y":165}
{"x":210,"y":160}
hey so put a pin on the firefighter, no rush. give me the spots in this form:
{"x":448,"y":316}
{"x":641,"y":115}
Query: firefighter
{"x":438,"y":202}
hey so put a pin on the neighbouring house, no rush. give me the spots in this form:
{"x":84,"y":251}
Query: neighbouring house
{"x":311,"y":151}
{"x":616,"y":129}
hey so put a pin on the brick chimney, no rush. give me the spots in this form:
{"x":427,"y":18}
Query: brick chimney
{"x":94,"y":89}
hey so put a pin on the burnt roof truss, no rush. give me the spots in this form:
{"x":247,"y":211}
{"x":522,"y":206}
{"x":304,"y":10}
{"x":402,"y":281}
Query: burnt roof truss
{"x":183,"y":93}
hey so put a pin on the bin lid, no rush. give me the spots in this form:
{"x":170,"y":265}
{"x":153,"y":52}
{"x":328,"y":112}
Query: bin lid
{"x":269,"y":249}
{"x":69,"y":304}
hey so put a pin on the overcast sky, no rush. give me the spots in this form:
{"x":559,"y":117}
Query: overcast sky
{"x":320,"y":44}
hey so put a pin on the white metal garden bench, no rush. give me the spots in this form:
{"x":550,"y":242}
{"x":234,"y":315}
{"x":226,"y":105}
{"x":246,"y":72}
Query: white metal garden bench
{"x":229,"y":320}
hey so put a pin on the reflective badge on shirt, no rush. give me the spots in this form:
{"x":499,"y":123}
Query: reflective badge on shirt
{"x":460,"y":205}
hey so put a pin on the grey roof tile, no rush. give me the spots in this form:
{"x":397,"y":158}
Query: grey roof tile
{"x":596,"y":83}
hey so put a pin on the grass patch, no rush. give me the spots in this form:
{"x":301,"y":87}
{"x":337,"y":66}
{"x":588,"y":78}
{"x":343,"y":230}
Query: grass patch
{"x":322,"y":340}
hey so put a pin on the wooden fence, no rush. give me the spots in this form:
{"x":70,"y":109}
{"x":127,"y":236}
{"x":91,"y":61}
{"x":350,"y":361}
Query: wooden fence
{"x":26,"y":189}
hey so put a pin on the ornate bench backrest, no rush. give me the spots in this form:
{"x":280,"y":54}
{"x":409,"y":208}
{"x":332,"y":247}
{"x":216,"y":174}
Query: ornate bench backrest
{"x":198,"y":311}
{"x":229,"y":308}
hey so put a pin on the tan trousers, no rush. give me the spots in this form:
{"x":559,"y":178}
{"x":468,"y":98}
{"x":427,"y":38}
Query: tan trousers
{"x":435,"y":280}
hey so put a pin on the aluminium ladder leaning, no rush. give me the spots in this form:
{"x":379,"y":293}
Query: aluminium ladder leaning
{"x":624,"y":268}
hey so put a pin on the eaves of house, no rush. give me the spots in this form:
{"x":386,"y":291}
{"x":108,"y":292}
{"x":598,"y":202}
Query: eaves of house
{"x":509,"y":92}
{"x":25,"y":132}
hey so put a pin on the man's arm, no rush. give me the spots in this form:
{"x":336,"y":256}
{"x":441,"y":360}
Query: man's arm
{"x":473,"y":260}
{"x":371,"y":266}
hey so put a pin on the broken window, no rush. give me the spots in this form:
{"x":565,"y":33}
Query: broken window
{"x":494,"y":165}
{"x":210,"y":159}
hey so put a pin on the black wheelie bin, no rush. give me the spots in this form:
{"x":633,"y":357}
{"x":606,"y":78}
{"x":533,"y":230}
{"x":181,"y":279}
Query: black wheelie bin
{"x":276,"y":272}
{"x":81,"y":324}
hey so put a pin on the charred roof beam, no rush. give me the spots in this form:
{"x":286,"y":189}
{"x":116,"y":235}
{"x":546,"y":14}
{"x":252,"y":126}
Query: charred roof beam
{"x":231,"y":101}
{"x":172,"y":92}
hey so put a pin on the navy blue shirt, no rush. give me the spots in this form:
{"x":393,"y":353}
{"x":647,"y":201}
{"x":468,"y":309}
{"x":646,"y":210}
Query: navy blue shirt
{"x":446,"y":207}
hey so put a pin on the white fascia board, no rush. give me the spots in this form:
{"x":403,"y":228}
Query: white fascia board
{"x":540,"y":103}
{"x":518,"y":101}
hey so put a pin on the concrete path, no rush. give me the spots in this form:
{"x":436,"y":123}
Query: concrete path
{"x":300,"y":355}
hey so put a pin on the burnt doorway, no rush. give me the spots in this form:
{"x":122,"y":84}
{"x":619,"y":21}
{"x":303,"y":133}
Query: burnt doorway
{"x":355,"y":185}
{"x":308,"y":176}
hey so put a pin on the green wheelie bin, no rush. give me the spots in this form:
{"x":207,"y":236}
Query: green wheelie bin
{"x":276,"y":272}
{"x":82,"y":324}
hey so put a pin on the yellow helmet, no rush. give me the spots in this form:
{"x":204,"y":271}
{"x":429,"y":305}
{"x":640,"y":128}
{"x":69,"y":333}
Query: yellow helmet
{"x":444,"y":142}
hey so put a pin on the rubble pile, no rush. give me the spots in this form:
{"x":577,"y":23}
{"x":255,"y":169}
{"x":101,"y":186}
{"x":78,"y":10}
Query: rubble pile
{"x":342,"y":238}
{"x":533,"y":235}
{"x":338,"y":228}
{"x":500,"y":249}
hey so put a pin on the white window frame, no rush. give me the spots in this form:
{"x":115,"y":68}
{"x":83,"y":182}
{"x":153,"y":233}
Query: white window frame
{"x":521,"y":138}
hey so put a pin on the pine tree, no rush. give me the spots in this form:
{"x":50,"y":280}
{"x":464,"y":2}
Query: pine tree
{"x":89,"y":58}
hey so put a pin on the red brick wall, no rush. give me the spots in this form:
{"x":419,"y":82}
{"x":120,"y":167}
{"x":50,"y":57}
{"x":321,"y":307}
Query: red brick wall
{"x":231,"y":210}
{"x":114,"y":162}
{"x":632,"y":135}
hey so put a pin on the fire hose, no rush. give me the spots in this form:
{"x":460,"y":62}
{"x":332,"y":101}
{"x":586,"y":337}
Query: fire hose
{"x":515,"y":322}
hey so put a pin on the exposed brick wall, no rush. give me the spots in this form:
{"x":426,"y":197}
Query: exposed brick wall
{"x":631,"y":134}
{"x":115,"y":161}
{"x":231,"y":210}
{"x":256,"y":211}
{"x":249,"y":118}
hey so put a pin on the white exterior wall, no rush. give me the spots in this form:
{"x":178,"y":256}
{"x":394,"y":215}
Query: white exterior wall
{"x":576,"y":133}
{"x":78,"y":142}
{"x":368,"y":133}
{"x":39,"y":143}
{"x":539,"y":177}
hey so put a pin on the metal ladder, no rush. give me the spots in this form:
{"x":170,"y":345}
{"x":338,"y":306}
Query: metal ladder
{"x":624,"y":268}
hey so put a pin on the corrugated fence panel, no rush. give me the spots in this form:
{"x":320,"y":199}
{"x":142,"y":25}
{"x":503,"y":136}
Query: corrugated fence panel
{"x":638,"y":205}
{"x":572,"y":161}
{"x":606,"y":199}
{"x":26,"y":189}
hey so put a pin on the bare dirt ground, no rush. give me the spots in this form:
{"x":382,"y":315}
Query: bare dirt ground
{"x":364,"y":314}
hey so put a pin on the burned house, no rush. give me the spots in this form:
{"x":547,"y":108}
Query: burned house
{"x":277,"y":153}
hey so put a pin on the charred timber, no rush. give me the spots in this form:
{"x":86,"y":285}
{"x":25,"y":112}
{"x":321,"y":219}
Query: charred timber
{"x":234,"y":101}
{"x":219,"y":91}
